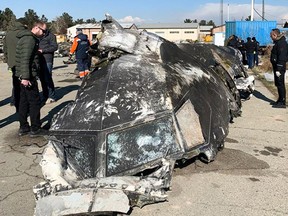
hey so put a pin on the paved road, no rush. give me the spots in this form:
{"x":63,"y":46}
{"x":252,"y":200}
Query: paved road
{"x":249,"y":177}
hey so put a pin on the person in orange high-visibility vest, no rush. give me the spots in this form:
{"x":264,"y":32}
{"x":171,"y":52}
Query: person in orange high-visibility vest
{"x":80,"y":46}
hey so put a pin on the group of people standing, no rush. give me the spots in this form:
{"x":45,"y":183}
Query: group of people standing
{"x":29,"y":55}
{"x":248,"y":49}
{"x":278,"y":59}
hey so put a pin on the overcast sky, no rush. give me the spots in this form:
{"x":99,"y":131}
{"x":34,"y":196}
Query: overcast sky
{"x":151,"y":11}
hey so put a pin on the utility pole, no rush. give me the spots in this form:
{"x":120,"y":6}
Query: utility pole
{"x":263,"y":11}
{"x":228,"y":13}
{"x":221,"y":12}
{"x":252,"y":10}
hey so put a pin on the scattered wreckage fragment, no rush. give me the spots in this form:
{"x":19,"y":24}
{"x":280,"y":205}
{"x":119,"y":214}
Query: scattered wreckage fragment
{"x":115,"y":146}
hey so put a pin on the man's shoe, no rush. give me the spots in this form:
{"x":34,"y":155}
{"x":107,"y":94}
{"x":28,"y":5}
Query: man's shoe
{"x":274,"y":102}
{"x":23,"y":131}
{"x":280,"y":105}
{"x":38,"y":133}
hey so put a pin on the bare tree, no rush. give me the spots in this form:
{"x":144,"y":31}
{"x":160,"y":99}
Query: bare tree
{"x":60,"y":24}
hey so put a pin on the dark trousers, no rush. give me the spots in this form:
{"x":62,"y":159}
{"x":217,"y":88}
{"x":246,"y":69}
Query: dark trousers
{"x":250,"y":60}
{"x":280,"y":84}
{"x":15,"y":98}
{"x":46,"y":80}
{"x":29,"y":105}
{"x":83,"y":64}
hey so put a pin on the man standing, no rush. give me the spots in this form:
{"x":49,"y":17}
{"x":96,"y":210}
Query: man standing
{"x":27,"y":69}
{"x":47,"y":46}
{"x":10,"y":43}
{"x":81,"y":46}
{"x":256,"y":52}
{"x":250,"y":49}
{"x":278,"y":60}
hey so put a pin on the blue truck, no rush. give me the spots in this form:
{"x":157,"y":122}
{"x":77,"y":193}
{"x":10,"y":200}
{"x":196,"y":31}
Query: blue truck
{"x":258,"y":29}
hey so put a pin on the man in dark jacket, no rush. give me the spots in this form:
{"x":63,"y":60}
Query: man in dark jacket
{"x":256,"y":52}
{"x":27,"y":69}
{"x":47,"y":46}
{"x":10,"y":43}
{"x":250,"y":47}
{"x":81,"y":45}
{"x":278,"y":60}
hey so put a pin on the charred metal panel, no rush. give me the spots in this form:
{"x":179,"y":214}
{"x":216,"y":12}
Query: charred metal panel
{"x":226,"y":61}
{"x":189,"y":125}
{"x":136,"y":89}
{"x":142,"y":144}
{"x":197,"y":83}
{"x":86,"y":112}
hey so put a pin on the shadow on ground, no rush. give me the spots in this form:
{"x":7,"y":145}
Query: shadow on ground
{"x":228,"y":160}
{"x":8,"y":120}
{"x":260,"y":96}
{"x":59,"y":67}
{"x":60,"y":92}
{"x":5,"y":101}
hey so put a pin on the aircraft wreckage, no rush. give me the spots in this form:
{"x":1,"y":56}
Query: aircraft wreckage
{"x":152,"y":104}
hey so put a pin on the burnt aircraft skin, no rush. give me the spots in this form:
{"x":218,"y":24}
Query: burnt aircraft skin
{"x":152,"y":105}
{"x":223,"y":58}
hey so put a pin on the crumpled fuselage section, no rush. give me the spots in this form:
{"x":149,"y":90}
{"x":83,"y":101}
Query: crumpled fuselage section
{"x":115,"y":146}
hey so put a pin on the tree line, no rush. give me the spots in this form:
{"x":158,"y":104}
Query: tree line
{"x":58,"y":26}
{"x":202,"y":22}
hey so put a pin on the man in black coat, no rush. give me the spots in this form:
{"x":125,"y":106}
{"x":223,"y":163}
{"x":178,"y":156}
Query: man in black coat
{"x":250,"y":47}
{"x":278,"y":60}
{"x":47,"y":46}
{"x":256,"y":52}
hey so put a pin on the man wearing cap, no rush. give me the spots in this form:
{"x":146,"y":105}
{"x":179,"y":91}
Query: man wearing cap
{"x":81,"y":46}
